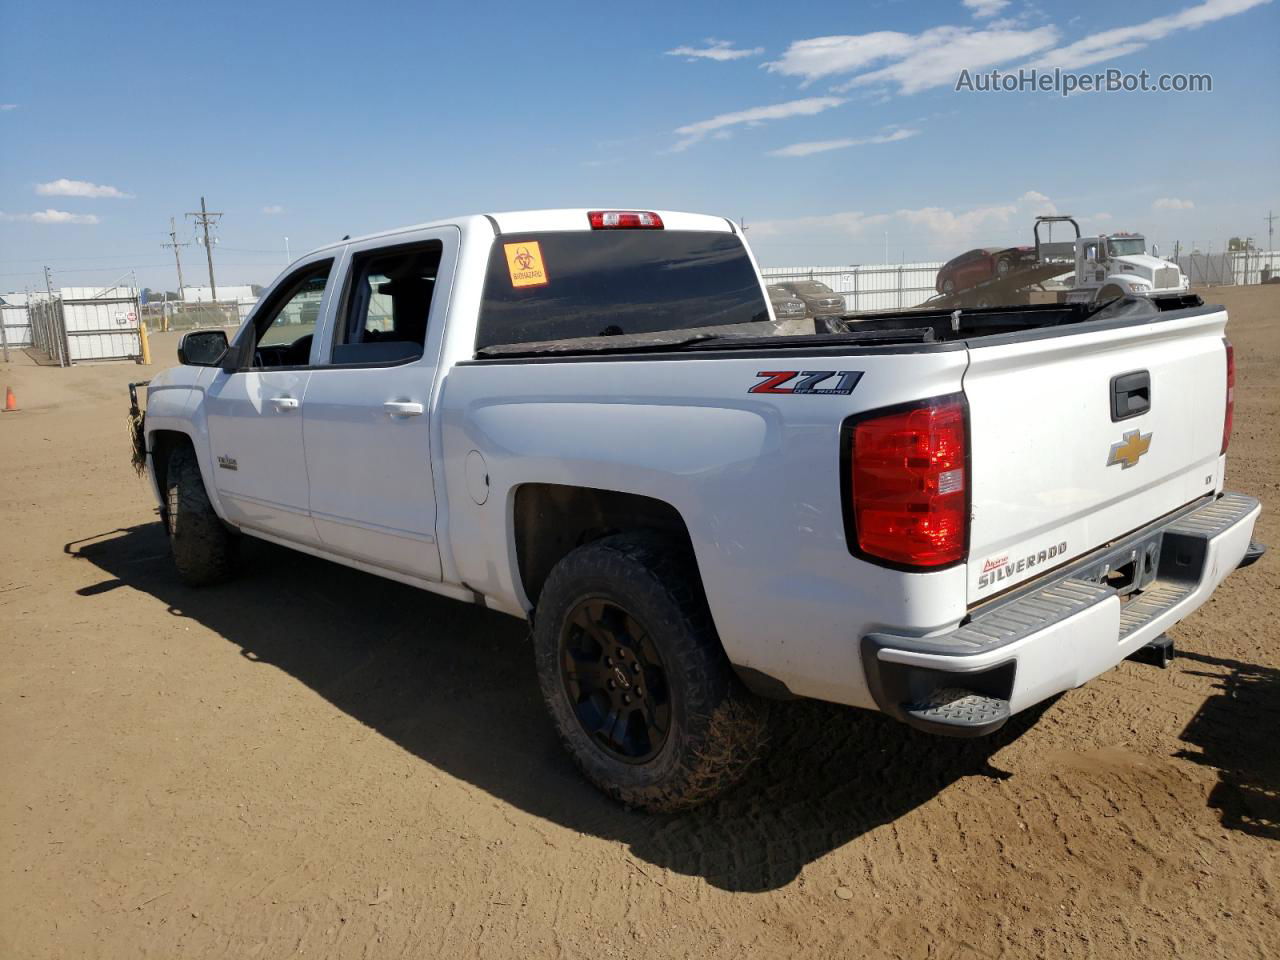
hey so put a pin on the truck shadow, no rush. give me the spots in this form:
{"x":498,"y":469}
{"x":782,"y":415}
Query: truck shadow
{"x":454,"y":685}
{"x":1235,"y":731}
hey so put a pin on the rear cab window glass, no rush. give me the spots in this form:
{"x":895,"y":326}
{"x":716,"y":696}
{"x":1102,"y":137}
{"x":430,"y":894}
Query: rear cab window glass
{"x":603,"y":283}
{"x":387,"y":302}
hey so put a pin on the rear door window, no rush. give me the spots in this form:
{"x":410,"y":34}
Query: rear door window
{"x":600,"y":283}
{"x":384,"y":317}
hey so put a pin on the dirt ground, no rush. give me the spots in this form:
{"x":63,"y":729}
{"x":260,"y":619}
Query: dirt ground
{"x":312,"y":761}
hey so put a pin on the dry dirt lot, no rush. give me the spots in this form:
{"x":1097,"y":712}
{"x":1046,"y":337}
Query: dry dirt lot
{"x":311,"y":761}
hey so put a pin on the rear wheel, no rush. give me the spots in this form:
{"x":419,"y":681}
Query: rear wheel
{"x":948,"y":287}
{"x":204,"y":549}
{"x":635,"y":679}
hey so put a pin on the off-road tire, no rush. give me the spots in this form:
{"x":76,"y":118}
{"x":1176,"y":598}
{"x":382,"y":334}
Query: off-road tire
{"x":717,"y":728}
{"x":204,"y":549}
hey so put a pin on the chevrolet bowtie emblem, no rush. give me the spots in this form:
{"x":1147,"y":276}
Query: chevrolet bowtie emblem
{"x":1129,"y":450}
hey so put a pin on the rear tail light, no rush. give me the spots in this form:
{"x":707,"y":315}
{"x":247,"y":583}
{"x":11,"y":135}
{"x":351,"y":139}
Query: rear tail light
{"x":908,"y":496}
{"x":1231,"y":395}
{"x":624,"y":220}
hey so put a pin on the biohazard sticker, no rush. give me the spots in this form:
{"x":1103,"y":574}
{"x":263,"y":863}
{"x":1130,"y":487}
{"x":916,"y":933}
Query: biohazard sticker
{"x":524,"y":260}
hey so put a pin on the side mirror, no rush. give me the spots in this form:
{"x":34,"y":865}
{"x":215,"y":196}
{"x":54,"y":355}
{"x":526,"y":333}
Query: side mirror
{"x":1155,"y":250}
{"x":202,"y":348}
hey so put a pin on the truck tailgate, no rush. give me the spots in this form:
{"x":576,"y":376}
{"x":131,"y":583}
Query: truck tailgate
{"x":1055,"y":472}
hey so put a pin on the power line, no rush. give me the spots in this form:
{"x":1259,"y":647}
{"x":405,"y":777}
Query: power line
{"x":205,"y":218}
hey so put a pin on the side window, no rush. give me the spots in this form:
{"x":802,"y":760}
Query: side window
{"x":388,"y":300}
{"x":283,"y":330}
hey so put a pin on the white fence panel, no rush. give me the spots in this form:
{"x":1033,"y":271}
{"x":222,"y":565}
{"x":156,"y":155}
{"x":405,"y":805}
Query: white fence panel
{"x":17,"y":325}
{"x":869,"y":287}
{"x":101,"y":323}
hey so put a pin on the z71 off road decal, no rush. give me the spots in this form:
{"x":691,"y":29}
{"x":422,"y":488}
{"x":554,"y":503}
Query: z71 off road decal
{"x":809,"y":381}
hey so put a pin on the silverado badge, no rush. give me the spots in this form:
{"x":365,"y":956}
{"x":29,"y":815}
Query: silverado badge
{"x":1129,"y":450}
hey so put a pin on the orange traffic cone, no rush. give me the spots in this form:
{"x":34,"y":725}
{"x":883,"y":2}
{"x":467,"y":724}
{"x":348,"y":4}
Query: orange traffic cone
{"x":10,"y":401}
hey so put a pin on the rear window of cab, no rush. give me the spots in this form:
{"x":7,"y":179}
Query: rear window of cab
{"x":600,"y":283}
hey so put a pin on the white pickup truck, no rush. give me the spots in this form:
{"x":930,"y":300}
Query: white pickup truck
{"x":593,"y":421}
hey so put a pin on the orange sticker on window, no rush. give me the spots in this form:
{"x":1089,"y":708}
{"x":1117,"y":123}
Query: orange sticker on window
{"x":524,"y":260}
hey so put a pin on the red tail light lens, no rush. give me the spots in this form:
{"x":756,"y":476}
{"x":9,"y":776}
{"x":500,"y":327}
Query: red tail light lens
{"x":909,"y":484}
{"x":1231,"y":395}
{"x":624,"y":220}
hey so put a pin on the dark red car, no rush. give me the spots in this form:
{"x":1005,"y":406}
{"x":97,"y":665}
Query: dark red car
{"x":980,"y":265}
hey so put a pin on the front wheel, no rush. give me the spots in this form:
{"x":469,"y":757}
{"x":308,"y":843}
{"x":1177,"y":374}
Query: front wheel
{"x":633,"y":674}
{"x":204,"y":550}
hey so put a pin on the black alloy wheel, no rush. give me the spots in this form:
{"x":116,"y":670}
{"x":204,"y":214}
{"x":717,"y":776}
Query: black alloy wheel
{"x":615,"y":680}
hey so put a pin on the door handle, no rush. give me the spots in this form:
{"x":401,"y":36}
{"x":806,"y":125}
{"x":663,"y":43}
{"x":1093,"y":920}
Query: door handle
{"x":1130,"y":395}
{"x":402,"y":408}
{"x":284,"y":403}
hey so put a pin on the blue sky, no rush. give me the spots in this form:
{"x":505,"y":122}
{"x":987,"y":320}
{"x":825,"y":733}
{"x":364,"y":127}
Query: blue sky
{"x":834,"y":129}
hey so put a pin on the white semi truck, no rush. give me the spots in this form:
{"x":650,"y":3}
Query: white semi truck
{"x":1109,"y":266}
{"x":1106,"y":267}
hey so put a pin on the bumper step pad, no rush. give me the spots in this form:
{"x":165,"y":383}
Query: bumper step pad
{"x":966,"y":701}
{"x":958,"y":712}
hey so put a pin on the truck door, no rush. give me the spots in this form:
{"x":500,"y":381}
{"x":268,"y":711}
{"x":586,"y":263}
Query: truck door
{"x":254,"y":413}
{"x":1093,"y":268}
{"x":366,"y":414}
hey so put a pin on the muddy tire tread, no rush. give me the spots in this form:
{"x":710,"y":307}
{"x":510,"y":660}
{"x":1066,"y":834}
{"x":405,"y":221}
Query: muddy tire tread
{"x":723,"y":726}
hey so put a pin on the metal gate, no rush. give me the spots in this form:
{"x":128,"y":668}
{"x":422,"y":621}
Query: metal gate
{"x":87,"y":323}
{"x":15,"y":325}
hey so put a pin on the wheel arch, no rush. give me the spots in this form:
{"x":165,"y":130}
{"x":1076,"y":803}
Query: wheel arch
{"x":550,"y":519}
{"x":161,"y":446}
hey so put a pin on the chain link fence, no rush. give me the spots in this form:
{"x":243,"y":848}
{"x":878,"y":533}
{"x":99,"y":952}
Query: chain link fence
{"x":179,"y":315}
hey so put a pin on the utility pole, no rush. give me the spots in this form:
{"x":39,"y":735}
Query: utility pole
{"x":177,"y":255}
{"x":1271,"y":239}
{"x":205,"y":218}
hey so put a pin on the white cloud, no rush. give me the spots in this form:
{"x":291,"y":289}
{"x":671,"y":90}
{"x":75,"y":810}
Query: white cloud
{"x":754,"y":116}
{"x":79,"y":188}
{"x":1172,"y":203}
{"x":822,"y":146}
{"x":1099,"y":217}
{"x":985,"y":8}
{"x":941,"y":53}
{"x":910,"y":63}
{"x":272,"y":209}
{"x":946,"y":229}
{"x":51,"y":216}
{"x":920,"y":61}
{"x":827,"y":56}
{"x":720,"y":50}
{"x":1109,"y":44}
{"x":6,"y":107}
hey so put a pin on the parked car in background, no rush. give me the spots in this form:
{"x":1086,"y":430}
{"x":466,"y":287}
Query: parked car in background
{"x":786,"y":305}
{"x":819,"y":299}
{"x":980,"y":265}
